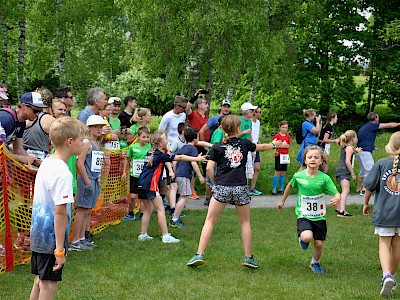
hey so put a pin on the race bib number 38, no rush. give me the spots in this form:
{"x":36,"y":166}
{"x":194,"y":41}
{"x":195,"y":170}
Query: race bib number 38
{"x":137,"y":166}
{"x":97,"y":161}
{"x":313,"y":206}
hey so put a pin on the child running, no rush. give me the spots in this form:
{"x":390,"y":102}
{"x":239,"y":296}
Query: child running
{"x":345,"y":169}
{"x":183,"y":175}
{"x":89,"y":164}
{"x":51,"y":210}
{"x":137,"y":153}
{"x":384,"y":178}
{"x":310,"y":206}
{"x":150,"y":182}
{"x":281,"y":158}
{"x":230,"y":186}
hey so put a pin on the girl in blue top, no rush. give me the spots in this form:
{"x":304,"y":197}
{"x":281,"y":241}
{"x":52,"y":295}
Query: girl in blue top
{"x":310,"y":132}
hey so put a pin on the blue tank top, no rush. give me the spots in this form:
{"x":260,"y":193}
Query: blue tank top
{"x":88,"y":162}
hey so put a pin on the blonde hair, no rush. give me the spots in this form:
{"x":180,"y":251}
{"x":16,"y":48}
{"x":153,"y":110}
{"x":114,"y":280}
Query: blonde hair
{"x":346,"y":137}
{"x":393,"y":149}
{"x":139,"y":114}
{"x":155,"y":141}
{"x":308,"y":112}
{"x":322,"y":152}
{"x":230,"y":125}
{"x":64,"y":128}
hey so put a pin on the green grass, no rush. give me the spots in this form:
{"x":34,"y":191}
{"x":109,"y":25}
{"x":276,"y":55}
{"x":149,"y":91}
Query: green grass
{"x":123,"y":268}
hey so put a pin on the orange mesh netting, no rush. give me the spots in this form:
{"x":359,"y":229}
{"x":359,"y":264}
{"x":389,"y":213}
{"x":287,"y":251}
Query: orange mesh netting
{"x":16,"y":196}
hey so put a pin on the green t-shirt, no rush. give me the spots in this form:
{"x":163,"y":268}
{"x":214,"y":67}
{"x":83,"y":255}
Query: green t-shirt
{"x":138,"y":158}
{"x":217,"y":136}
{"x":310,"y":203}
{"x":72,"y":167}
{"x":134,"y":129}
{"x":114,"y":123}
{"x":246,"y":124}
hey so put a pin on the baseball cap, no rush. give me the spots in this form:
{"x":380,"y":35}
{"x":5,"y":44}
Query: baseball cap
{"x":247,"y":106}
{"x":225,"y":102}
{"x":114,"y":100}
{"x":32,"y":98}
{"x":94,"y":120}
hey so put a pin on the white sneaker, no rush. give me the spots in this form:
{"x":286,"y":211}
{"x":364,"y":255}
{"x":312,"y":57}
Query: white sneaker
{"x":169,"y":239}
{"x":144,"y":237}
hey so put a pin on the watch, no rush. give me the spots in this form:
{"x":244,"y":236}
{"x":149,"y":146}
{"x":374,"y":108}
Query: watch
{"x":273,"y":145}
{"x":59,"y":254}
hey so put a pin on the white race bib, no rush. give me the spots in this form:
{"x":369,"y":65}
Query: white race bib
{"x":112,"y":145}
{"x":37,"y":153}
{"x":97,"y":161}
{"x":249,"y":166}
{"x":313,"y":206}
{"x":137,"y":166}
{"x":284,"y":159}
{"x":327,"y":148}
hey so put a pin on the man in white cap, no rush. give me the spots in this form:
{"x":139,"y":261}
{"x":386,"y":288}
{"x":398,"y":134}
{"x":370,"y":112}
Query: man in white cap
{"x":247,"y":114}
{"x":13,"y":124}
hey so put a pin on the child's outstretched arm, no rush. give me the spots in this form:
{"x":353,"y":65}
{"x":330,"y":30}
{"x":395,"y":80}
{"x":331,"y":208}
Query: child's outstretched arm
{"x":366,"y":208}
{"x":287,"y":192}
{"x":274,"y":144}
{"x":335,"y":200}
{"x":199,"y":158}
{"x":204,"y":144}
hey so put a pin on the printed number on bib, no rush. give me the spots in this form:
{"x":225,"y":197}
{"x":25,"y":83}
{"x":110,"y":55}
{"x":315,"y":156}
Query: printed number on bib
{"x":313,"y":206}
{"x":137,"y":166}
{"x":284,"y":159}
{"x":97,"y":161}
{"x":327,"y":148}
{"x":112,"y":145}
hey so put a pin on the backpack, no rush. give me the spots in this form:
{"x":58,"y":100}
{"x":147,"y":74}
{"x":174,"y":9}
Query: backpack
{"x":11,"y":111}
{"x":299,"y":134}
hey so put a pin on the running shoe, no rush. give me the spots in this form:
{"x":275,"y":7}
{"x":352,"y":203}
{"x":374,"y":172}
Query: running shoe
{"x":250,"y":262}
{"x":194,"y":195}
{"x":281,"y":191}
{"x":362,"y":193}
{"x":274,"y":192}
{"x":144,"y":237}
{"x":387,"y":286}
{"x":255,"y":192}
{"x":78,"y":246}
{"x":303,"y":245}
{"x":88,"y":243}
{"x":177,"y":224}
{"x":196,"y":260}
{"x":316,"y":268}
{"x":169,"y":239}
{"x":344,"y":214}
{"x":128,"y":217}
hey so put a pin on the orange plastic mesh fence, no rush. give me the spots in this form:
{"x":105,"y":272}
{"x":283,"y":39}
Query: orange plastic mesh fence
{"x":19,"y":194}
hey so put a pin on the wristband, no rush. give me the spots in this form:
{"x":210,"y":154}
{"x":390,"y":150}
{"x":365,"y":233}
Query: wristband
{"x":273,"y":145}
{"x":59,"y":254}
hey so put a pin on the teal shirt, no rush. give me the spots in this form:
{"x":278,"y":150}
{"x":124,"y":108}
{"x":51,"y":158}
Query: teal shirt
{"x":246,"y":124}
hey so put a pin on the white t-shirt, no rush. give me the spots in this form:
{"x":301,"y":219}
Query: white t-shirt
{"x":255,"y":131}
{"x":176,"y":145}
{"x":169,"y":123}
{"x":53,"y":186}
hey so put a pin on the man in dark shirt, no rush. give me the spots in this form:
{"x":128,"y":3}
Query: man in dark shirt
{"x":126,"y":115}
{"x":366,"y":140}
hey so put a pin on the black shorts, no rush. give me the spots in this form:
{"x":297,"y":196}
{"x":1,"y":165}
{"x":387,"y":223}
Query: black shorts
{"x":278,"y":165}
{"x":318,"y":228}
{"x":133,"y":185}
{"x":257,"y":158}
{"x":42,"y":264}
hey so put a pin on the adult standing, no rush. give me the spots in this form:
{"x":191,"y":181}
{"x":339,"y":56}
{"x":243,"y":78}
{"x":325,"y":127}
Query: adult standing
{"x":13,"y":123}
{"x":255,"y":135}
{"x":126,"y":115}
{"x":197,"y":119}
{"x":214,"y":122}
{"x":171,"y":119}
{"x":325,"y":135}
{"x":65,"y":93}
{"x":366,"y":141}
{"x":96,"y":101}
{"x":309,"y":131}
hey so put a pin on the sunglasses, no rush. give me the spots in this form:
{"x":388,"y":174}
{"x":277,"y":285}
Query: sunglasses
{"x":184,"y":107}
{"x":34,"y":110}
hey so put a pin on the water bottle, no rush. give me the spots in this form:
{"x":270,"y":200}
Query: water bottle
{"x":3,"y":136}
{"x":107,"y":135}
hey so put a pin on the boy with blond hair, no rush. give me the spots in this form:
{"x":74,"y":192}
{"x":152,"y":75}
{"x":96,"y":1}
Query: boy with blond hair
{"x":51,"y":210}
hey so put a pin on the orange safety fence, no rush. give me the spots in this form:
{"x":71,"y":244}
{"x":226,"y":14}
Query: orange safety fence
{"x":16,"y":197}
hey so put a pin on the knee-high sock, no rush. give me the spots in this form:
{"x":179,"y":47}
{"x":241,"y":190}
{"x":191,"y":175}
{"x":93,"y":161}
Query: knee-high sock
{"x":281,"y":182}
{"x":274,"y":182}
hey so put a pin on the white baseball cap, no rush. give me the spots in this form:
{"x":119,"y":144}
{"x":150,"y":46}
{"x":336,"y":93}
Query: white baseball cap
{"x":94,"y":120}
{"x":247,"y":106}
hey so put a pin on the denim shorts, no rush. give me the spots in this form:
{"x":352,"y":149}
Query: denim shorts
{"x":87,"y":196}
{"x":236,"y":195}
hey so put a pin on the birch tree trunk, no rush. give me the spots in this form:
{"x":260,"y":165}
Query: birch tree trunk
{"x":21,"y":48}
{"x":61,"y":51}
{"x":4,"y":49}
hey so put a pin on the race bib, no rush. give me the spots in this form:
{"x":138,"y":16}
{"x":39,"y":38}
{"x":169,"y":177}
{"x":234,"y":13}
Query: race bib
{"x":284,"y":159}
{"x":249,"y":166}
{"x":37,"y":153}
{"x":112,"y":145}
{"x":137,"y":166}
{"x":313,"y":206}
{"x":97,"y":161}
{"x":327,"y":148}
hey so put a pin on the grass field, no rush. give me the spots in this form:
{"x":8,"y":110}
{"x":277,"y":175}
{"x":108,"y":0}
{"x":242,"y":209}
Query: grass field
{"x":123,"y":268}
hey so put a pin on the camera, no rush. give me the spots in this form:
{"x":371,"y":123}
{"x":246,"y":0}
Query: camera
{"x":322,"y":117}
{"x":203,"y":92}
